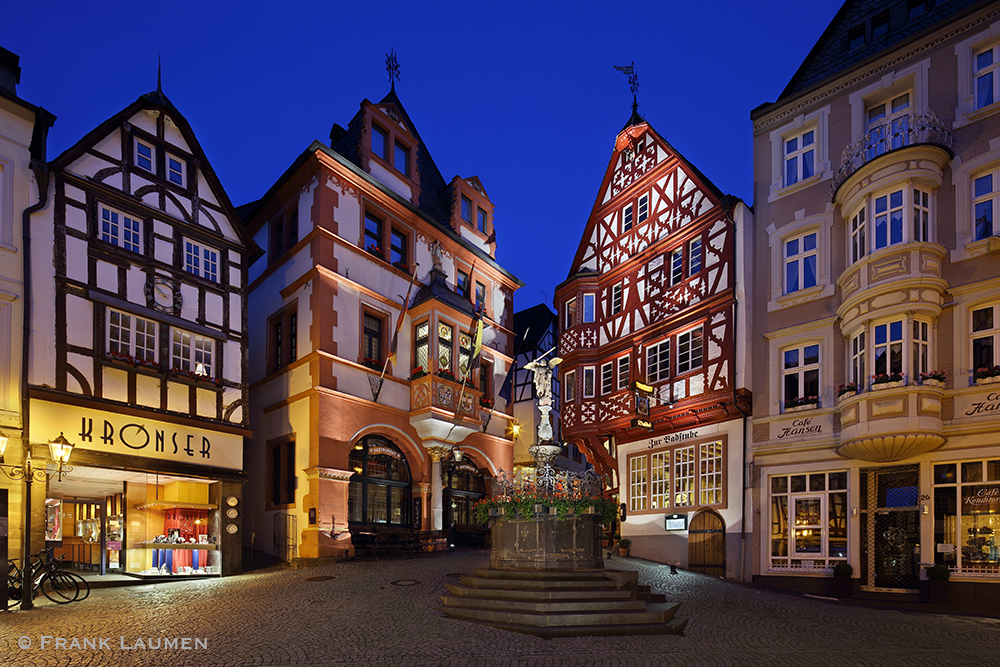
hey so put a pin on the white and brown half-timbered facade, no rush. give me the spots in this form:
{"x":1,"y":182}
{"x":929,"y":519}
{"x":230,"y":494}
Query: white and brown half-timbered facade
{"x":349,"y":228}
{"x":652,"y":297}
{"x":139,"y":348}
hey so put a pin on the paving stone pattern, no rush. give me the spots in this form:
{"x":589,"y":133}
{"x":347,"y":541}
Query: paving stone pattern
{"x":381,"y":613}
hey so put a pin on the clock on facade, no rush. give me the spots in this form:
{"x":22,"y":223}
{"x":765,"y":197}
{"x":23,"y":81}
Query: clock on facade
{"x":160,"y":293}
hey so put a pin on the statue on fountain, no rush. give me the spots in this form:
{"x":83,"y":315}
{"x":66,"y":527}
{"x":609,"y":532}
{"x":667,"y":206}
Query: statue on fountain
{"x":546,"y":449}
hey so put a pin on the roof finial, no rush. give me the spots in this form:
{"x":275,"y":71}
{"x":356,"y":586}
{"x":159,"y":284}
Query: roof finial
{"x":392,"y":67}
{"x":633,"y":83}
{"x":159,"y":67}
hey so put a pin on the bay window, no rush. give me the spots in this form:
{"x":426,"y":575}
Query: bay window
{"x":900,"y":215}
{"x":588,"y":308}
{"x":421,"y":355}
{"x":607,"y":378}
{"x":445,"y":351}
{"x":588,"y":382}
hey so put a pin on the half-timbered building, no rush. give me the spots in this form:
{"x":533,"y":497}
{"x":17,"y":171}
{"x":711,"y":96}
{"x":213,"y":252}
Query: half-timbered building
{"x":138,"y":349}
{"x":367,"y":409}
{"x":877,"y":301}
{"x":653,"y":298}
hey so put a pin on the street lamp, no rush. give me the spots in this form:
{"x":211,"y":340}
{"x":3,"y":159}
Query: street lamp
{"x":60,"y":449}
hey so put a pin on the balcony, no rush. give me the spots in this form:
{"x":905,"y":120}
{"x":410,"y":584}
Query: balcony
{"x":441,"y":409}
{"x":893,"y":421}
{"x":894,"y":134}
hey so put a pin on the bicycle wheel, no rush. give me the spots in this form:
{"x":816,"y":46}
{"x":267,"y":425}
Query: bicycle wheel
{"x":60,"y":588}
{"x":82,"y":583}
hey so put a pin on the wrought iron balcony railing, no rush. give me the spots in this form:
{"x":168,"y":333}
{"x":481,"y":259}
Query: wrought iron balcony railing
{"x":891,"y":135}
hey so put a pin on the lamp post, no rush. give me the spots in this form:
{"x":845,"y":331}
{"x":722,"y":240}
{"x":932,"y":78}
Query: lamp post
{"x":59,"y":449}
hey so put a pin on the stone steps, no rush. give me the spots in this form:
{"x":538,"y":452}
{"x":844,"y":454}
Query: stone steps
{"x":549,"y":603}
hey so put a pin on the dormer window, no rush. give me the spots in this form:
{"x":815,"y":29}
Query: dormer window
{"x":467,"y":209}
{"x":380,"y":142}
{"x":175,"y":170}
{"x":143,"y":155}
{"x":880,"y":24}
{"x":401,"y":159}
{"x":481,"y":220}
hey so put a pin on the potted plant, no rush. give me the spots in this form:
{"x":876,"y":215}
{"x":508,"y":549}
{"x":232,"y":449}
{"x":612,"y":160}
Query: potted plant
{"x":800,"y":403}
{"x":848,"y":389}
{"x":624,"y":545}
{"x":842,"y":583}
{"x":486,"y":403}
{"x":986,"y":374}
{"x":446,"y":374}
{"x":937,"y":584}
{"x":402,"y":266}
{"x":882,"y":381}
{"x":375,"y":251}
{"x":373,"y":364}
{"x":933,"y":378}
{"x":417,"y":372}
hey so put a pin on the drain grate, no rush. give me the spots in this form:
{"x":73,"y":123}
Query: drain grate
{"x":405,"y":582}
{"x":319,"y":578}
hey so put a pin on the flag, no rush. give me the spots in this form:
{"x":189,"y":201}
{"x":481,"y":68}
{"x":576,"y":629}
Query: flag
{"x":508,"y":383}
{"x":477,"y":345}
{"x":376,"y":382}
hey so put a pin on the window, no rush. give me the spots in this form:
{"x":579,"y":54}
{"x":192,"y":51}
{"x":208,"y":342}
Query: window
{"x":201,"y":261}
{"x":921,"y":348}
{"x":445,"y":348}
{"x":623,"y":372}
{"x":588,"y":308}
{"x":401,"y":159}
{"x":380,"y":491}
{"x":588,"y":382}
{"x":917,"y":8}
{"x":467,"y":209}
{"x":485,"y":378}
{"x":921,"y":216}
{"x":676,"y":267}
{"x":570,"y":313}
{"x":800,"y":156}
{"x":808,"y":519}
{"x":616,"y":299}
{"x":643,"y":207}
{"x":421,"y":340}
{"x":684,"y":475}
{"x":281,"y":473}
{"x":278,"y":237}
{"x":858,"y":245}
{"x":859,"y":374}
{"x":175,"y":170}
{"x":984,"y":203}
{"x":627,"y":218}
{"x":569,"y":382}
{"x":284,"y":338}
{"x":800,"y":263}
{"x":888,"y":219}
{"x":480,"y":296}
{"x":658,"y":362}
{"x":891,"y":223}
{"x":888,"y":125}
{"x":380,"y":142}
{"x":710,"y":473}
{"x":464,"y":355}
{"x":637,"y":483}
{"x":856,"y":36}
{"x":965,"y":495}
{"x":985,"y":334}
{"x":462,"y":286}
{"x":880,"y":25}
{"x":689,"y":349}
{"x":131,"y":336}
{"x":986,"y":65}
{"x":659,"y":473}
{"x":481,"y":220}
{"x":399,"y":250}
{"x":371,"y":337}
{"x":373,"y":235}
{"x":800,"y":374}
{"x":694,"y":255}
{"x":607,"y":378}
{"x":143,"y":155}
{"x":888,"y":348}
{"x":120,"y":229}
{"x":192,"y":353}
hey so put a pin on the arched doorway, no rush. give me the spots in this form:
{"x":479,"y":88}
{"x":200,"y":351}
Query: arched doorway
{"x":380,"y":489}
{"x":707,"y":544}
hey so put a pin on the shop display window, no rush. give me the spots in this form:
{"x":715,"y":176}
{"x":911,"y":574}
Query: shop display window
{"x":967,"y":516}
{"x":53,"y":520}
{"x":808,"y":520}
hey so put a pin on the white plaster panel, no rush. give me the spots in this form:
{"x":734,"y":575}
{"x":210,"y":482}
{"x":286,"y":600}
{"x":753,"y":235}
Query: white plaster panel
{"x":257,"y":268}
{"x":232,"y":352}
{"x":74,"y":193}
{"x":235,"y":257}
{"x":114,"y":181}
{"x":170,"y":206}
{"x":111,"y":145}
{"x":163,"y":251}
{"x":235,"y":312}
{"x":205,"y":191}
{"x":189,"y":308}
{"x":88,"y":165}
{"x":115,"y":384}
{"x":206,"y":403}
{"x":225,"y":227}
{"x":76,"y":218}
{"x":41,"y":342}
{"x":177,"y":397}
{"x":80,"y":315}
{"x":107,"y":275}
{"x":147,"y":391}
{"x":76,"y":260}
{"x":163,"y":228}
{"x":390,"y":180}
{"x":85,"y":365}
{"x":135,"y":281}
{"x":145,"y":120}
{"x":213,"y":309}
{"x":173,"y":135}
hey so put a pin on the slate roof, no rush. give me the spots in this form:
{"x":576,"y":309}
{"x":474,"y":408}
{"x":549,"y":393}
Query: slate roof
{"x":534,"y":322}
{"x":831,"y":54}
{"x":439,"y":290}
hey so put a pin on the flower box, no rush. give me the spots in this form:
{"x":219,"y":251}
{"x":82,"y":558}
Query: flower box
{"x":880,"y":386}
{"x":992,"y":379}
{"x":931,"y":382}
{"x":801,"y":408}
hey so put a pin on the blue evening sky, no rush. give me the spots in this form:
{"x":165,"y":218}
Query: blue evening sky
{"x":521,"y":94}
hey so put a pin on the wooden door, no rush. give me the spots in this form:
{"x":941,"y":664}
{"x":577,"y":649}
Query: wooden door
{"x":707,"y":544}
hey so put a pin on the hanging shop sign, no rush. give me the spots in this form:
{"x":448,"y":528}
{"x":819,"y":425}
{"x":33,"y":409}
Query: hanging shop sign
{"x":128,"y":435}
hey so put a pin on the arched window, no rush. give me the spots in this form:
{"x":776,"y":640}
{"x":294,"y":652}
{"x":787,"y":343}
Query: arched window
{"x":380,"y":490}
{"x":464,"y":486}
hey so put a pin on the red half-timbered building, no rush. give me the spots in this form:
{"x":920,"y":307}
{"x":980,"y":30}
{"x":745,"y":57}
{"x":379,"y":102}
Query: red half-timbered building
{"x":653,"y":297}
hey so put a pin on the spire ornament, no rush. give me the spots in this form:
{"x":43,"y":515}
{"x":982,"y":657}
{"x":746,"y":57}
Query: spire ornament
{"x":633,"y":82}
{"x":392,"y":67}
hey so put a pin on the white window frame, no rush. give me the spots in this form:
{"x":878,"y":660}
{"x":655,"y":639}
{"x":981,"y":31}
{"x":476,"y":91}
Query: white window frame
{"x":801,"y":370}
{"x":124,"y":232}
{"x":658,"y":355}
{"x":964,"y":180}
{"x":992,"y":334}
{"x":643,"y":212}
{"x":659,"y":480}
{"x":181,"y":171}
{"x":607,"y":378}
{"x":817,"y":121}
{"x":987,"y":201}
{"x":139,"y":157}
{"x":638,"y":482}
{"x":695,"y":261}
{"x":822,"y":224}
{"x":711,"y":465}
{"x":624,"y":372}
{"x":589,"y":308}
{"x":910,"y":216}
{"x":141,"y":335}
{"x":617,"y":298}
{"x":686,"y":360}
{"x":627,"y":218}
{"x":798,"y":259}
{"x":589,"y":375}
{"x":201,"y":260}
{"x":676,"y":266}
{"x":569,"y":313}
{"x":685,"y":476}
{"x":859,"y":357}
{"x":793,"y":552}
{"x":796,"y":154}
{"x":887,"y":122}
{"x":968,"y":109}
{"x":569,"y":386}
{"x":192,"y":353}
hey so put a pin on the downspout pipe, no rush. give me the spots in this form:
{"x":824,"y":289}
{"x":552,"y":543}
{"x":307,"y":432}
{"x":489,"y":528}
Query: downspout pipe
{"x":40,"y":168}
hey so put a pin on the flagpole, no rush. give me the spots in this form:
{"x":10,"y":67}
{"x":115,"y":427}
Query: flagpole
{"x":376,"y":386}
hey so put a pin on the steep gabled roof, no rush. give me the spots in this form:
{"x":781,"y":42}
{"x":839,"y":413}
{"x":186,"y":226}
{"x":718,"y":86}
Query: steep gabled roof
{"x":530,"y":325}
{"x":831,"y":53}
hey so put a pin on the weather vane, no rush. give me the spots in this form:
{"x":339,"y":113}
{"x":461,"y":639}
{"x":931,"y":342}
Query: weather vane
{"x":633,"y":81}
{"x":392,"y":67}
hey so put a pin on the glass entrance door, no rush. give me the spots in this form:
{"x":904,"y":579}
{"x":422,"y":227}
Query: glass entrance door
{"x":890,"y":529}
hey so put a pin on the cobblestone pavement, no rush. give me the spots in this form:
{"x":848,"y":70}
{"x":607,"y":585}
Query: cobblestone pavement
{"x":381,"y":613}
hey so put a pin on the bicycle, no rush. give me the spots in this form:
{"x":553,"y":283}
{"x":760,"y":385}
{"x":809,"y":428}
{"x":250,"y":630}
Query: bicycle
{"x":56,"y":585}
{"x":52,"y":566}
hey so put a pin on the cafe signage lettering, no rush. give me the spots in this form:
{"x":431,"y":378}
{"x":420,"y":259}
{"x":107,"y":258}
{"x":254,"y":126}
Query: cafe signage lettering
{"x":986,"y":496}
{"x":672,"y":438}
{"x":990,"y":405}
{"x":800,"y":427}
